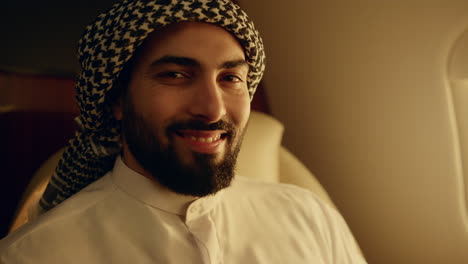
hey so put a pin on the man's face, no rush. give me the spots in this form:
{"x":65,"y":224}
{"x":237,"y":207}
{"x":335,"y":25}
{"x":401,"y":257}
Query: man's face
{"x":186,"y":108}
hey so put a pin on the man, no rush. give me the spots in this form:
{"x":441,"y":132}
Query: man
{"x":172,"y":82}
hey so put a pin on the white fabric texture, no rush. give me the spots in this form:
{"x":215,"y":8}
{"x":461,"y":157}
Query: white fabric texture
{"x":127,"y":218}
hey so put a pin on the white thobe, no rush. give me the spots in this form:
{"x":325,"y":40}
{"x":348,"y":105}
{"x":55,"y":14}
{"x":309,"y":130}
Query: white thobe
{"x":127,"y":218}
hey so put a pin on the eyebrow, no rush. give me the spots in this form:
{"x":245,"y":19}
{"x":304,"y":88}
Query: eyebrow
{"x":189,"y":62}
{"x":234,"y":64}
{"x":182,"y":61}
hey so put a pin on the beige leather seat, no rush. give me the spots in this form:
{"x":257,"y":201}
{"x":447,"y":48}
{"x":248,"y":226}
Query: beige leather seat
{"x":262,"y":157}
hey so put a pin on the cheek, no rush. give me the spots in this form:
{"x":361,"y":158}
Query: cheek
{"x":159,"y":106}
{"x":154,"y":114}
{"x":158,"y":115}
{"x":240,"y":112}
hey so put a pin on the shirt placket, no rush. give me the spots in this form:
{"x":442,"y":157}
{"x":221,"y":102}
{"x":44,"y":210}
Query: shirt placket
{"x":203,"y":228}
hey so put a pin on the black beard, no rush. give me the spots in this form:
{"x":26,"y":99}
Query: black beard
{"x":204,"y":176}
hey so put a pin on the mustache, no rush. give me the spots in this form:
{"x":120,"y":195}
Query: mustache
{"x":195,"y":124}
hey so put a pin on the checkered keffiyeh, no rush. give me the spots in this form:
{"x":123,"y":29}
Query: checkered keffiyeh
{"x":105,"y":47}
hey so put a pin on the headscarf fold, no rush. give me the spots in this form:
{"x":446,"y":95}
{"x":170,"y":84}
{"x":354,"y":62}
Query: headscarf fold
{"x":105,"y":47}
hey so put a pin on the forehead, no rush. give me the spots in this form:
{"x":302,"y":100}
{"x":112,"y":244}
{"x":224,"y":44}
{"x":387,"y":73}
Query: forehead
{"x":197,"y":40}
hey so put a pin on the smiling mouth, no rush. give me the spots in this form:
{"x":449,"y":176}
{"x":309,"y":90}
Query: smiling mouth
{"x":203,"y":136}
{"x":203,"y":141}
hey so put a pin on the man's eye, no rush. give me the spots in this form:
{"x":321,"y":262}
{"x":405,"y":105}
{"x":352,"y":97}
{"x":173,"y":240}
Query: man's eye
{"x":232,"y":78}
{"x":172,"y":75}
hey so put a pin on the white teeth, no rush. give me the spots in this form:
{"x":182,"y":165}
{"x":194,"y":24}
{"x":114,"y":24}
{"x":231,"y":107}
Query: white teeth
{"x":204,"y":139}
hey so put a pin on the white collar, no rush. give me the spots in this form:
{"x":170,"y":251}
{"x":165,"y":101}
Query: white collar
{"x":154,"y":194}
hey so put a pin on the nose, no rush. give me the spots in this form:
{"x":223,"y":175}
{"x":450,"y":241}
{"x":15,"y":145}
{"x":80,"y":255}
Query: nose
{"x":207,"y":101}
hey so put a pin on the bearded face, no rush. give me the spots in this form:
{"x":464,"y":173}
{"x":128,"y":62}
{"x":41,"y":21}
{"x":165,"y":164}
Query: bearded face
{"x":201,"y":175}
{"x":186,"y":108}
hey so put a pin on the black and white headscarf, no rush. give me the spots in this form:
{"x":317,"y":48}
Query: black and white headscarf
{"x":104,"y":48}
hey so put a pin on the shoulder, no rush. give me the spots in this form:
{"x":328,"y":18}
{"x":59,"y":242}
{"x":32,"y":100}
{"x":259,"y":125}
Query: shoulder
{"x":54,"y":226}
{"x":258,"y":187}
{"x":302,"y":212}
{"x":289,"y":201}
{"x":286,"y":195}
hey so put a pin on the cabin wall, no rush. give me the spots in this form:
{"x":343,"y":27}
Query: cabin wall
{"x":366,"y":95}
